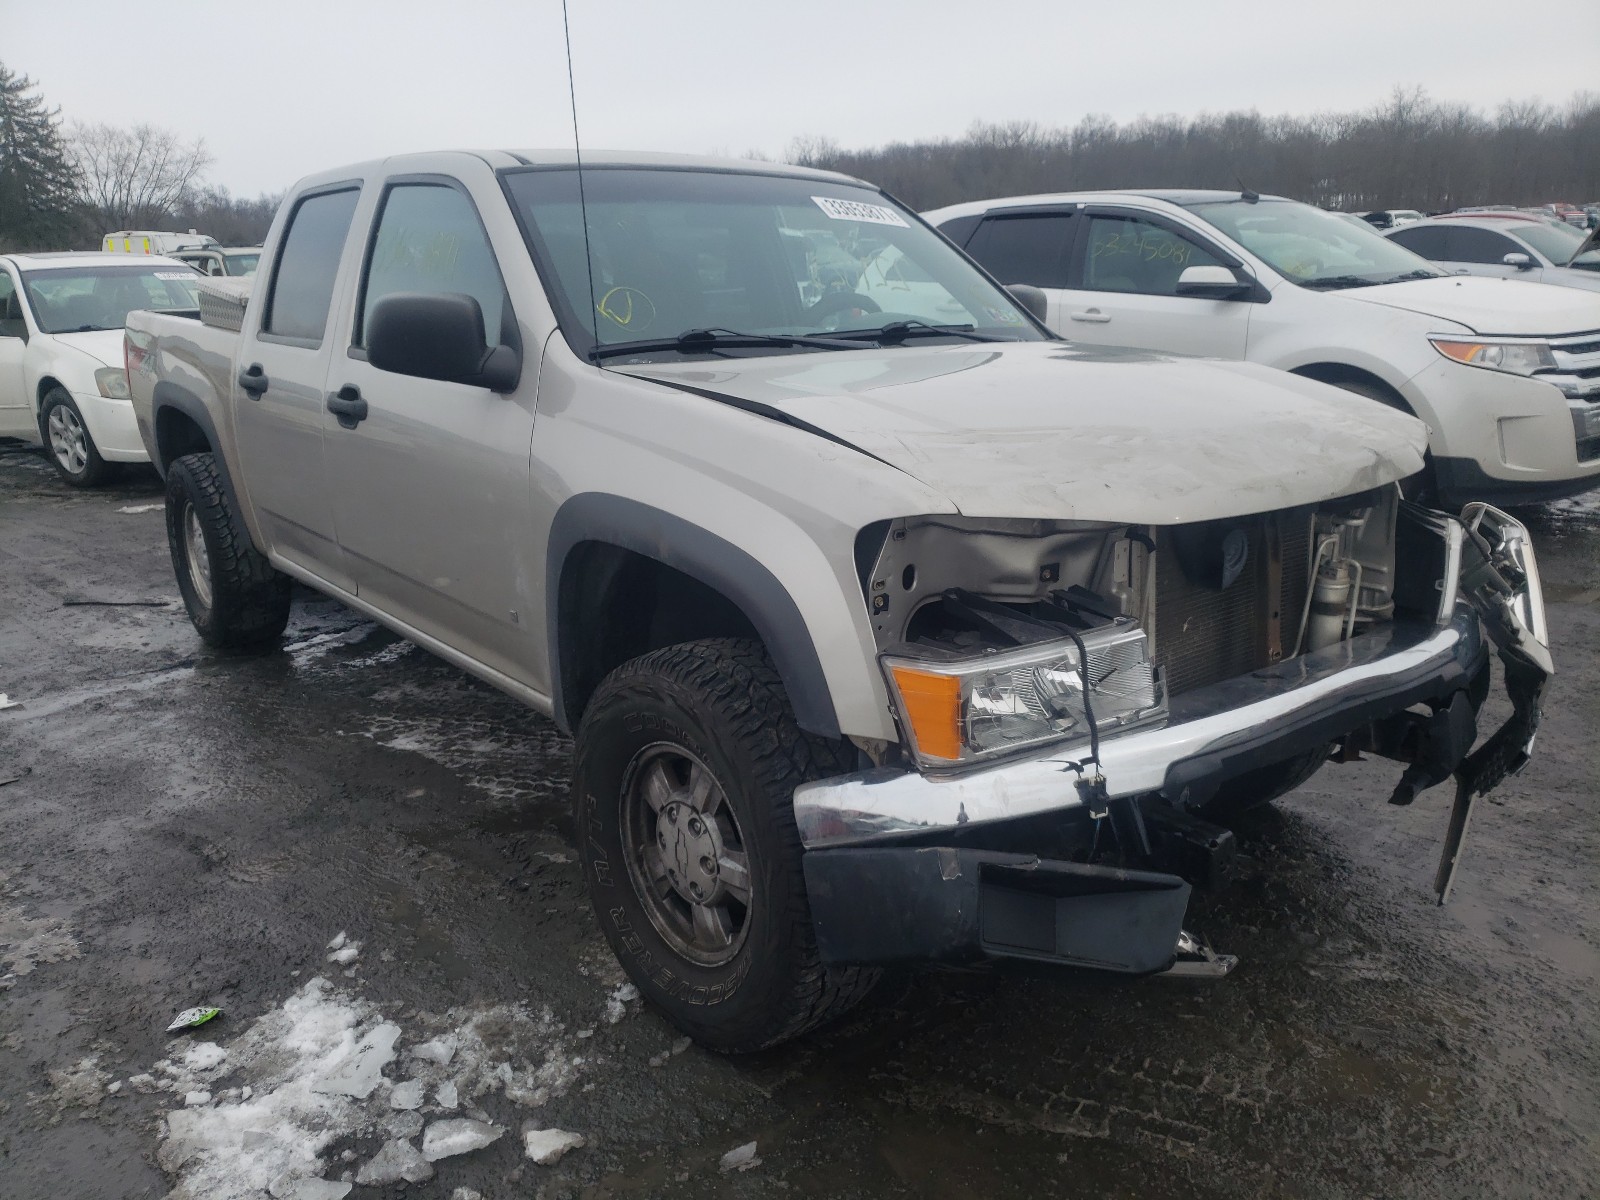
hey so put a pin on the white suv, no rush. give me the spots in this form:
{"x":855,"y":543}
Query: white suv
{"x":1506,"y":374}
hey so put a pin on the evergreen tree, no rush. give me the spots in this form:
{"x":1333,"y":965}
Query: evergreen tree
{"x":39,"y":207}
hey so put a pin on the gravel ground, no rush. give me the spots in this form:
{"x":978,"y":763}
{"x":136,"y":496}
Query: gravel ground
{"x":179,"y":828}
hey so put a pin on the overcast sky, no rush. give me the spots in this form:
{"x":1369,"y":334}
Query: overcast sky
{"x":281,"y":88}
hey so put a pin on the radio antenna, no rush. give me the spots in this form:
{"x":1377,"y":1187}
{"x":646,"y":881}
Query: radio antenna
{"x":577,"y":150}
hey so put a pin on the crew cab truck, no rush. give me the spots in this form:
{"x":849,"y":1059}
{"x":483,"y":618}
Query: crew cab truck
{"x":62,"y":380}
{"x":883,"y":639}
{"x":1505,"y":374}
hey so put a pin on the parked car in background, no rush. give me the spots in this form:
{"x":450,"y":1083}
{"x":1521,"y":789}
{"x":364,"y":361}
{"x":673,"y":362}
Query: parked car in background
{"x":852,"y":612}
{"x":1506,"y":374}
{"x":233,"y":261}
{"x":1570,"y":214}
{"x":153,"y":241}
{"x":62,"y":379}
{"x":1508,"y":246}
{"x":1389,"y":218}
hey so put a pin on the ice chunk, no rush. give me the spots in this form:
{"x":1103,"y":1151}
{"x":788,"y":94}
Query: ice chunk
{"x":741,"y":1158}
{"x":440,"y":1050}
{"x":456,"y":1135}
{"x":405,"y":1124}
{"x":290,"y":1186}
{"x":407,"y":1094}
{"x":344,"y":957}
{"x":202,"y":1056}
{"x":446,"y":1095}
{"x":338,"y":941}
{"x":196,"y":1099}
{"x":398,"y":1160}
{"x":545,"y":1146}
{"x":358,"y":1074}
{"x":617,"y":1002}
{"x":465,"y":1193}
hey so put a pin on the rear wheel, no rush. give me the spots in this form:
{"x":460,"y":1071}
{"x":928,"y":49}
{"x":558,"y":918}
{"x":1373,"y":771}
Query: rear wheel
{"x":687,"y":761}
{"x":71,"y":446}
{"x":236,"y":599}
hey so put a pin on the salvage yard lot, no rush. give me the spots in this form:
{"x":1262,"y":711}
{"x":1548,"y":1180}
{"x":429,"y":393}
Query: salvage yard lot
{"x":181,"y":828}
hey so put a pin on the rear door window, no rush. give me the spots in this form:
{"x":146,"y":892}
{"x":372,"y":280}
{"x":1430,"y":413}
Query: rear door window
{"x":1431,"y":242}
{"x":1032,"y":248}
{"x":429,"y":240}
{"x":308,"y":267}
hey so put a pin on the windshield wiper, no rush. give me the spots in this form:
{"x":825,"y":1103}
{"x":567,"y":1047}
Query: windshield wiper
{"x":90,"y":329}
{"x":898,"y":331}
{"x":701,"y":341}
{"x":1338,"y":281}
{"x":1419,"y":273}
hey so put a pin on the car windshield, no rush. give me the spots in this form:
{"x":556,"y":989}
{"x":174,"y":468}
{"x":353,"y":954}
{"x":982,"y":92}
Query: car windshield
{"x":81,"y":299}
{"x":242,"y":264}
{"x":1313,"y":248}
{"x":1556,"y":242}
{"x":671,"y":252}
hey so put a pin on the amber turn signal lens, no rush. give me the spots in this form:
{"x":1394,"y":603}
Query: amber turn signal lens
{"x":932,"y":703}
{"x":1460,"y":351}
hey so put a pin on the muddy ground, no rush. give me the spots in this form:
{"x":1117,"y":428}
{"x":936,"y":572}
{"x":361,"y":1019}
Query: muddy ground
{"x":178,"y":828}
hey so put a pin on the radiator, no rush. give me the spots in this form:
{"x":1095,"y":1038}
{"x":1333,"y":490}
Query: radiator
{"x":1204,"y":634}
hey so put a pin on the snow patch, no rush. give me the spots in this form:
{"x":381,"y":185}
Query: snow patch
{"x":741,"y":1158}
{"x":617,"y":1003}
{"x":546,"y":1146}
{"x":140,"y":508}
{"x":458,"y":1135}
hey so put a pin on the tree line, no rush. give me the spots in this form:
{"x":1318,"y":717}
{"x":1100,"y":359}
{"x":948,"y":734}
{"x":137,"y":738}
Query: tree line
{"x":1408,"y":152}
{"x":66,"y":187}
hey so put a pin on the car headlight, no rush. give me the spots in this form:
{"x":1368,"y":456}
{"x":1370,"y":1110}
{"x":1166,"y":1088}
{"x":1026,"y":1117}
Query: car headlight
{"x":1516,"y":358}
{"x":961,"y":710}
{"x":112,"y":382}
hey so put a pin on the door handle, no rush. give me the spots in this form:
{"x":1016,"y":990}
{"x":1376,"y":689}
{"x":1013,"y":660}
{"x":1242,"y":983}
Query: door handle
{"x":1092,"y":315}
{"x":348,"y":406}
{"x":253,"y":380}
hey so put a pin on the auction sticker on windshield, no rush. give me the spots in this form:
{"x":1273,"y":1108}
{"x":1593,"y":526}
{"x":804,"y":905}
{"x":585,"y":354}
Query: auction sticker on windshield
{"x":175,"y":274}
{"x":854,"y":210}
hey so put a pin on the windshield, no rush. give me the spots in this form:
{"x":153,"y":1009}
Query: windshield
{"x":242,"y":264}
{"x":1313,"y":248}
{"x":81,"y":299}
{"x":1558,"y":243}
{"x":671,"y":251}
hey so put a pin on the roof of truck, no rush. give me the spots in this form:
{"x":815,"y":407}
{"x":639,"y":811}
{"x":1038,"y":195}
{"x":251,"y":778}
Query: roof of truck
{"x":48,"y":260}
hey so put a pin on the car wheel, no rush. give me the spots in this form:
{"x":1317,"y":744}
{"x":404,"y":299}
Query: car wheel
{"x":683,"y":785}
{"x":1263,"y":785}
{"x":67,"y":438}
{"x":236,"y":599}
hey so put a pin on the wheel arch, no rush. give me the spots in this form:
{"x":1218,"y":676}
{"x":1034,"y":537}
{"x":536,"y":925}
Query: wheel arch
{"x":180,"y":424}
{"x":606,"y":552}
{"x":1336,"y":373}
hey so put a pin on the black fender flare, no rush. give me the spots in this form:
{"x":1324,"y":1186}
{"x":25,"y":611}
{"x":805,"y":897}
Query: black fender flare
{"x":167,"y":394}
{"x":715,"y":562}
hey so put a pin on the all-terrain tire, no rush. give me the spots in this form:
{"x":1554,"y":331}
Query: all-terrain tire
{"x":1263,"y":785}
{"x":236,"y":599}
{"x":717,"y":709}
{"x":68,"y":442}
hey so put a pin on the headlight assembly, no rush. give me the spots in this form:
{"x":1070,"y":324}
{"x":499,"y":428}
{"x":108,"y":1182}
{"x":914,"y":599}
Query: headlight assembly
{"x":1515,"y":358}
{"x":962,"y":710}
{"x":112,"y":382}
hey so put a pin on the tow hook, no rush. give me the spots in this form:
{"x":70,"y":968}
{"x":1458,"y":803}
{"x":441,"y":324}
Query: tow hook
{"x":1197,"y":960}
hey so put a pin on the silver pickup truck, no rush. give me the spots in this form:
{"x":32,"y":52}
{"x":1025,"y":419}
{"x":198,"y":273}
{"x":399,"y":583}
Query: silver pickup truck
{"x":890,"y":627}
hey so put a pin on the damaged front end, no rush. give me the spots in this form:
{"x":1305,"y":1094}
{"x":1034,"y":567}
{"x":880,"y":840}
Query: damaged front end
{"x":1072,"y":726}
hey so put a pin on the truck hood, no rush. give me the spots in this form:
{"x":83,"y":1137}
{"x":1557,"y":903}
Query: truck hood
{"x":102,"y":345}
{"x":1490,"y":306}
{"x":1048,"y":430}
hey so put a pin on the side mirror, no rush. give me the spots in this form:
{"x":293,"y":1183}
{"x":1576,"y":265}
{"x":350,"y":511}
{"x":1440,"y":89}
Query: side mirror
{"x":1030,"y":298}
{"x":1520,"y":261}
{"x":438,"y":336}
{"x":1211,"y":283}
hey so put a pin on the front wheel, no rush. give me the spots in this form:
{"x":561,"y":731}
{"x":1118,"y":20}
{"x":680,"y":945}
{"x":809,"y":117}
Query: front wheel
{"x":236,"y":599}
{"x":66,"y":436}
{"x":687,"y":761}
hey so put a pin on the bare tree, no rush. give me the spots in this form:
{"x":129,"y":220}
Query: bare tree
{"x":139,"y":177}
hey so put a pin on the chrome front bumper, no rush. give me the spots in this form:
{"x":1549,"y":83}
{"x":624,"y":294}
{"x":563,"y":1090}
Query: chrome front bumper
{"x":1213,"y":732}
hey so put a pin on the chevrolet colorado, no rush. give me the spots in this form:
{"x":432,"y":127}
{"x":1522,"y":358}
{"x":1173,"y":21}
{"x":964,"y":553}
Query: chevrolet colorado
{"x":890,"y":627}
